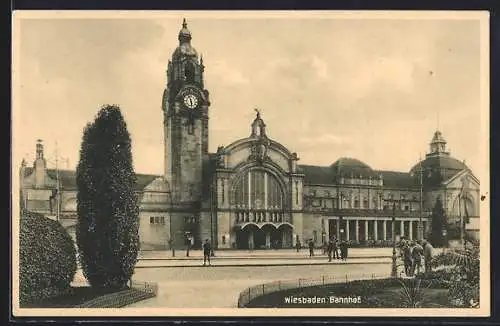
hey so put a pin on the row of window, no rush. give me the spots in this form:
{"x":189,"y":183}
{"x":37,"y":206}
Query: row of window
{"x":327,"y":193}
{"x":332,"y":203}
{"x":157,"y":220}
{"x":161,"y":220}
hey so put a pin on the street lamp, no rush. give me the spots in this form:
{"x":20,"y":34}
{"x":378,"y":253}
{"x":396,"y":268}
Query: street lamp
{"x":172,"y":236}
{"x":212,"y":254}
{"x":393,"y":231}
{"x":341,"y":234}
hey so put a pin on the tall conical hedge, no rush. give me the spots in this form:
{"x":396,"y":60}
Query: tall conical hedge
{"x":438,"y":224}
{"x":108,"y":214}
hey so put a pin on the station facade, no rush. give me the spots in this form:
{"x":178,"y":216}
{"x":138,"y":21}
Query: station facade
{"x":253,"y":193}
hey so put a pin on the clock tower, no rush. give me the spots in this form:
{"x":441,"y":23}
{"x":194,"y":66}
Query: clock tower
{"x":185,"y":110}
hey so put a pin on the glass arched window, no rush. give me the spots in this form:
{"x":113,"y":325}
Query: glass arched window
{"x":258,"y":190}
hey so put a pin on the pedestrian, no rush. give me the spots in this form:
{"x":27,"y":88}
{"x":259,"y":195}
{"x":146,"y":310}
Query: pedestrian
{"x":330,"y":250}
{"x":311,"y":248}
{"x":417,"y":254}
{"x":428,"y":249}
{"x":407,"y":259}
{"x":207,"y":248}
{"x":346,"y":250}
{"x":297,"y":245}
{"x":189,"y":244}
{"x":336,"y":249}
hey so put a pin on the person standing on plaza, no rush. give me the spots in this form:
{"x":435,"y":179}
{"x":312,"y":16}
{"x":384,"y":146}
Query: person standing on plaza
{"x":343,"y":250}
{"x":417,"y":253}
{"x":297,"y":245}
{"x":407,"y":258}
{"x":311,"y":248}
{"x":330,"y":250}
{"x":428,"y":249}
{"x":207,"y":249}
{"x":337,"y":249}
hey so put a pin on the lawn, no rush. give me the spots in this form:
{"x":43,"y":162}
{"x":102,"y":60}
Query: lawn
{"x":386,"y":293}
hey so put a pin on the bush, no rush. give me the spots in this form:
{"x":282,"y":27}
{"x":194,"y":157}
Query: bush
{"x":47,"y":258}
{"x":108,"y":215}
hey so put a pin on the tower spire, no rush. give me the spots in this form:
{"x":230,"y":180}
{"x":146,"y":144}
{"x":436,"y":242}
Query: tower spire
{"x":184,"y":23}
{"x":437,"y":118}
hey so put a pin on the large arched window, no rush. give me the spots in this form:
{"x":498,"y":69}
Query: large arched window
{"x":258,"y":190}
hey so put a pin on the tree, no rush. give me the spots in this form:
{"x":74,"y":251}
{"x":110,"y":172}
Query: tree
{"x":108,"y":215}
{"x":438,"y":224}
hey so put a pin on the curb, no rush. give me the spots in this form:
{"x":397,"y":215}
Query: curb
{"x":266,"y":265}
{"x":262,"y":258}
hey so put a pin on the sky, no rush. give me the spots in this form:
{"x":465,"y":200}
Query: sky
{"x":327,"y":86}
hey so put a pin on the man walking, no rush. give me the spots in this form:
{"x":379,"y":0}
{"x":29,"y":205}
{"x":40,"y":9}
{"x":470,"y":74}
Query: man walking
{"x":207,"y":248}
{"x":311,"y":248}
{"x":297,"y":245}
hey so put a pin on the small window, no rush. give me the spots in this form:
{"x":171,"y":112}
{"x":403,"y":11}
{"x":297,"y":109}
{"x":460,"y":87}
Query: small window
{"x":151,"y":220}
{"x":157,"y":220}
{"x":407,"y":208}
{"x":163,"y":220}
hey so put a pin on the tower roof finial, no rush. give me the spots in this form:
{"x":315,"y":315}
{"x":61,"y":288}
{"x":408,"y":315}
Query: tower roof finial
{"x":258,"y":113}
{"x":184,"y":34}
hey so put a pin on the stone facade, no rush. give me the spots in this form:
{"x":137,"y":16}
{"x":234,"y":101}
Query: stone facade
{"x":253,"y":193}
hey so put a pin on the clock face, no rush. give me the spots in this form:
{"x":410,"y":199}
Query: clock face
{"x":190,"y":101}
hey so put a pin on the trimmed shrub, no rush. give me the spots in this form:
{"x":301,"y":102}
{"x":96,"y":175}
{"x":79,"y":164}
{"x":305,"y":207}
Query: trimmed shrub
{"x":47,"y":256}
{"x":108,"y":215}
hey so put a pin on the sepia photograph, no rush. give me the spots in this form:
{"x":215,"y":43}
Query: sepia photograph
{"x":250,"y":163}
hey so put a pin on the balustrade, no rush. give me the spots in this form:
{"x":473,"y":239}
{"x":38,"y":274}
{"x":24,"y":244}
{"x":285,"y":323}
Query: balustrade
{"x":258,"y":216}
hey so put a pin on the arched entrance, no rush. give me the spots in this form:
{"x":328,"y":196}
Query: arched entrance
{"x":264,"y":236}
{"x":250,"y":236}
{"x":285,"y":232}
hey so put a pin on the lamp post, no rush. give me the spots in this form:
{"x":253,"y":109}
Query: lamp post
{"x":420,"y":222}
{"x":341,"y":234}
{"x":172,"y":234}
{"x":394,"y":270}
{"x":212,"y":254}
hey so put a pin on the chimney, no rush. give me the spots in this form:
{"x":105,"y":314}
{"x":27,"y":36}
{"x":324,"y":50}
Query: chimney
{"x":40,"y":165}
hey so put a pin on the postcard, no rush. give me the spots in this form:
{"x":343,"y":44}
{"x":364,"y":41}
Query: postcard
{"x":250,"y":163}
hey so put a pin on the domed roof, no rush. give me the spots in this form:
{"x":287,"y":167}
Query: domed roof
{"x":347,"y":166}
{"x":439,"y":162}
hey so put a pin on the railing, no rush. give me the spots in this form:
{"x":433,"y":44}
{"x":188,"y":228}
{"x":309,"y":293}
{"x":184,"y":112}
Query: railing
{"x":138,"y":291}
{"x":253,"y":292}
{"x":260,"y":216}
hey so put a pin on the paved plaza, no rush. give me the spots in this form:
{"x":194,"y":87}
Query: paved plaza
{"x":219,"y":287}
{"x":184,"y":283}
